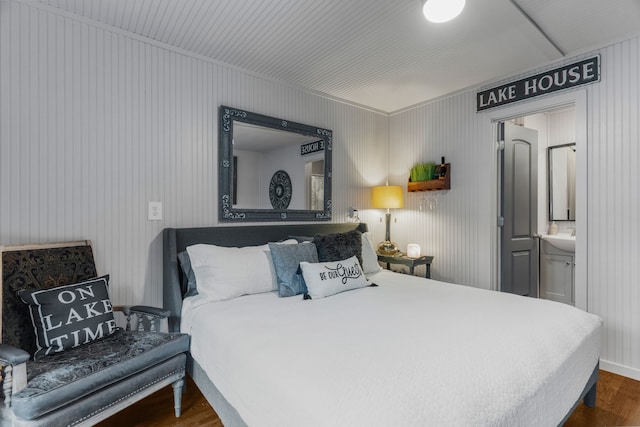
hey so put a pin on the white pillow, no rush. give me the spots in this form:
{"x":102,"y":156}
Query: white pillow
{"x":328,"y":278}
{"x":369,"y":257}
{"x":223,"y":273}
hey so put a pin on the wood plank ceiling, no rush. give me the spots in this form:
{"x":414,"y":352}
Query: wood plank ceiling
{"x":380,"y":54}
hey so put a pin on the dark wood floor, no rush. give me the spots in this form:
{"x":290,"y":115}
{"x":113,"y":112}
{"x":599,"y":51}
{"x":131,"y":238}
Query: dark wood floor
{"x":618,"y":404}
{"x":157,"y":411}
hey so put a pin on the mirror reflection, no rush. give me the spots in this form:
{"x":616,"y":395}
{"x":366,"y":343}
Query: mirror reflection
{"x":260,"y":152}
{"x":562,"y":182}
{"x":273,"y":169}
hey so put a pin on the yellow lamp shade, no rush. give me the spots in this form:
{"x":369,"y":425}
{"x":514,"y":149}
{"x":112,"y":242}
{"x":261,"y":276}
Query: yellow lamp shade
{"x":387,"y":197}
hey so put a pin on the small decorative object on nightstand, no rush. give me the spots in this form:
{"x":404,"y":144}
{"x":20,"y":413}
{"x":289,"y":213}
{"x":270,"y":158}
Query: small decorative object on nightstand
{"x":409,"y":262}
{"x":413,"y":250}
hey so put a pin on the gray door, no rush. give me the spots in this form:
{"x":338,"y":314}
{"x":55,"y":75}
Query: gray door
{"x":519,"y":209}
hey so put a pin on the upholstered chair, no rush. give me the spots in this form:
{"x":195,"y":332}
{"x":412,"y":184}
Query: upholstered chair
{"x":58,"y":370}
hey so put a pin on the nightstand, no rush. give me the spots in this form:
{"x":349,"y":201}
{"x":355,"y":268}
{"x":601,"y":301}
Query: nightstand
{"x":409,"y":262}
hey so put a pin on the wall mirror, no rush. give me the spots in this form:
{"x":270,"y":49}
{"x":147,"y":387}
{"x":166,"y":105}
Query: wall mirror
{"x":562,"y":182}
{"x":272,"y":169}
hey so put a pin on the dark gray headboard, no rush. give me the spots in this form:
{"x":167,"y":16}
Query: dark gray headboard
{"x":176,"y":240}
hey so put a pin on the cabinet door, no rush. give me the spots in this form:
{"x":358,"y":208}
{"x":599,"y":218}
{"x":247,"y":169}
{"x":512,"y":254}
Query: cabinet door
{"x":556,"y":278}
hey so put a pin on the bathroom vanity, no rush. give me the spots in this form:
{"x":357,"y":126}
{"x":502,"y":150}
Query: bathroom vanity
{"x":557,"y":268}
{"x":557,"y":251}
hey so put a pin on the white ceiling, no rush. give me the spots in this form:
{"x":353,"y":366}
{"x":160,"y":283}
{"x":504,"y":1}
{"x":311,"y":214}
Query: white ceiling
{"x":381,"y":54}
{"x":250,"y":137}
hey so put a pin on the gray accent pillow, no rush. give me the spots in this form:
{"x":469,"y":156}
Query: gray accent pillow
{"x":189,"y":276}
{"x":69,"y":316}
{"x":286,"y":261}
{"x":339,"y":246}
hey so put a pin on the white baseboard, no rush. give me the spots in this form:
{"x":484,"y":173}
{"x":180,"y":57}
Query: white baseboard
{"x":616,"y":368}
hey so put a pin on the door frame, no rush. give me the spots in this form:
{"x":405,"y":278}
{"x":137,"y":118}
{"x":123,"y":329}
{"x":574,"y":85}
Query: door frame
{"x":577,"y":98}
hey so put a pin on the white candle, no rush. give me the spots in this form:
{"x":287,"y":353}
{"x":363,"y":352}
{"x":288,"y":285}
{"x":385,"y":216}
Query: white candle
{"x":413,"y":250}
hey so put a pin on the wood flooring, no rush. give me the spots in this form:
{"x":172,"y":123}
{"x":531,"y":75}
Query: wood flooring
{"x":618,"y":404}
{"x":157,"y":411}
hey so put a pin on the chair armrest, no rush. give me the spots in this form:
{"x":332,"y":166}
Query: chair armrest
{"x":145,"y":318}
{"x":10,"y":355}
{"x":13,"y":367}
{"x":128,"y":310}
{"x":153,"y":311}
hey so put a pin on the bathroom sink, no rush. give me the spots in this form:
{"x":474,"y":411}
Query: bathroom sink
{"x":564,"y":242}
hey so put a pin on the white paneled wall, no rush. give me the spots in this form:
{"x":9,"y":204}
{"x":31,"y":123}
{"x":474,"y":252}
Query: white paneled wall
{"x":562,"y":130}
{"x":555,"y":127}
{"x":94,"y":124}
{"x":458,"y":231}
{"x":614,"y":203}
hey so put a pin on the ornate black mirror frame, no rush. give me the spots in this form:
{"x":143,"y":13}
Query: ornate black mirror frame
{"x":227,"y":213}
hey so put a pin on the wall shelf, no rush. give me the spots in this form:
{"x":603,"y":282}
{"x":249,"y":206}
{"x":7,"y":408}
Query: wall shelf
{"x":442,"y":183}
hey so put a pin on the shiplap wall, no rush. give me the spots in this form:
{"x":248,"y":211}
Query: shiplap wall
{"x":614,"y":203}
{"x":95,"y":123}
{"x":555,"y":127}
{"x":458,"y":230}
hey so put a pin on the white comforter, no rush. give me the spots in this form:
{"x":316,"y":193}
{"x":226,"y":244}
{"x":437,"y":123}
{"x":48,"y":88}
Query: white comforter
{"x":411,"y":352}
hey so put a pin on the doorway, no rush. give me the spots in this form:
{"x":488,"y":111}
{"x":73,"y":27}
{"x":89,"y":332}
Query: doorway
{"x":576,"y":100}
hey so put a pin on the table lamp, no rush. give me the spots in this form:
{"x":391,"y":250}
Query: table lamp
{"x":387,"y":197}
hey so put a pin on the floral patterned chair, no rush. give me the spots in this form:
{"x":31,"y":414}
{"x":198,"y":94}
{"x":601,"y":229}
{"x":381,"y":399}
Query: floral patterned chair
{"x":57,"y":370}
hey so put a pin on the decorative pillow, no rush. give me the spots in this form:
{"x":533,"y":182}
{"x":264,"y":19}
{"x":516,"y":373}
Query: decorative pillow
{"x":339,"y":246}
{"x":286,"y":260}
{"x":189,"y":276}
{"x":274,"y":277}
{"x":69,"y":316}
{"x":328,"y":278}
{"x":223,"y":273}
{"x":370,"y":263}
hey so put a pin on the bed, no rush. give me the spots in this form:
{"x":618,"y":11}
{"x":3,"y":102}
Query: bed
{"x":407,"y":351}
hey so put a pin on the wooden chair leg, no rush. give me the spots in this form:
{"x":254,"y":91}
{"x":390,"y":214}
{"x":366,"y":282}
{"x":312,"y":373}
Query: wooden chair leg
{"x":177,"y":396}
{"x":7,"y":384}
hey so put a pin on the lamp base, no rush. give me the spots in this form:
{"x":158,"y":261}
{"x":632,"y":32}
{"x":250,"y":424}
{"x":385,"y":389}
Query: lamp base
{"x":388,"y":248}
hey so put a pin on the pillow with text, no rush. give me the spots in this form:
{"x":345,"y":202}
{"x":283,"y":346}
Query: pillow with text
{"x":329,"y":278}
{"x":69,"y":316}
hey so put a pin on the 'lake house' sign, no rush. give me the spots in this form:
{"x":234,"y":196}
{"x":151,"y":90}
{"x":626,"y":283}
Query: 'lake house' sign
{"x":312,"y":147}
{"x":572,"y":75}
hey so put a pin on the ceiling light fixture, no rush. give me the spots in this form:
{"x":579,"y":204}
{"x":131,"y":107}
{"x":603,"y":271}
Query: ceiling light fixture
{"x":442,"y":10}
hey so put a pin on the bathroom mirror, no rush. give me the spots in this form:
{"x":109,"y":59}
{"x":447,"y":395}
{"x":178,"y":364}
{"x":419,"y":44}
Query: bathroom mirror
{"x":272,"y":169}
{"x":562,"y":182}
